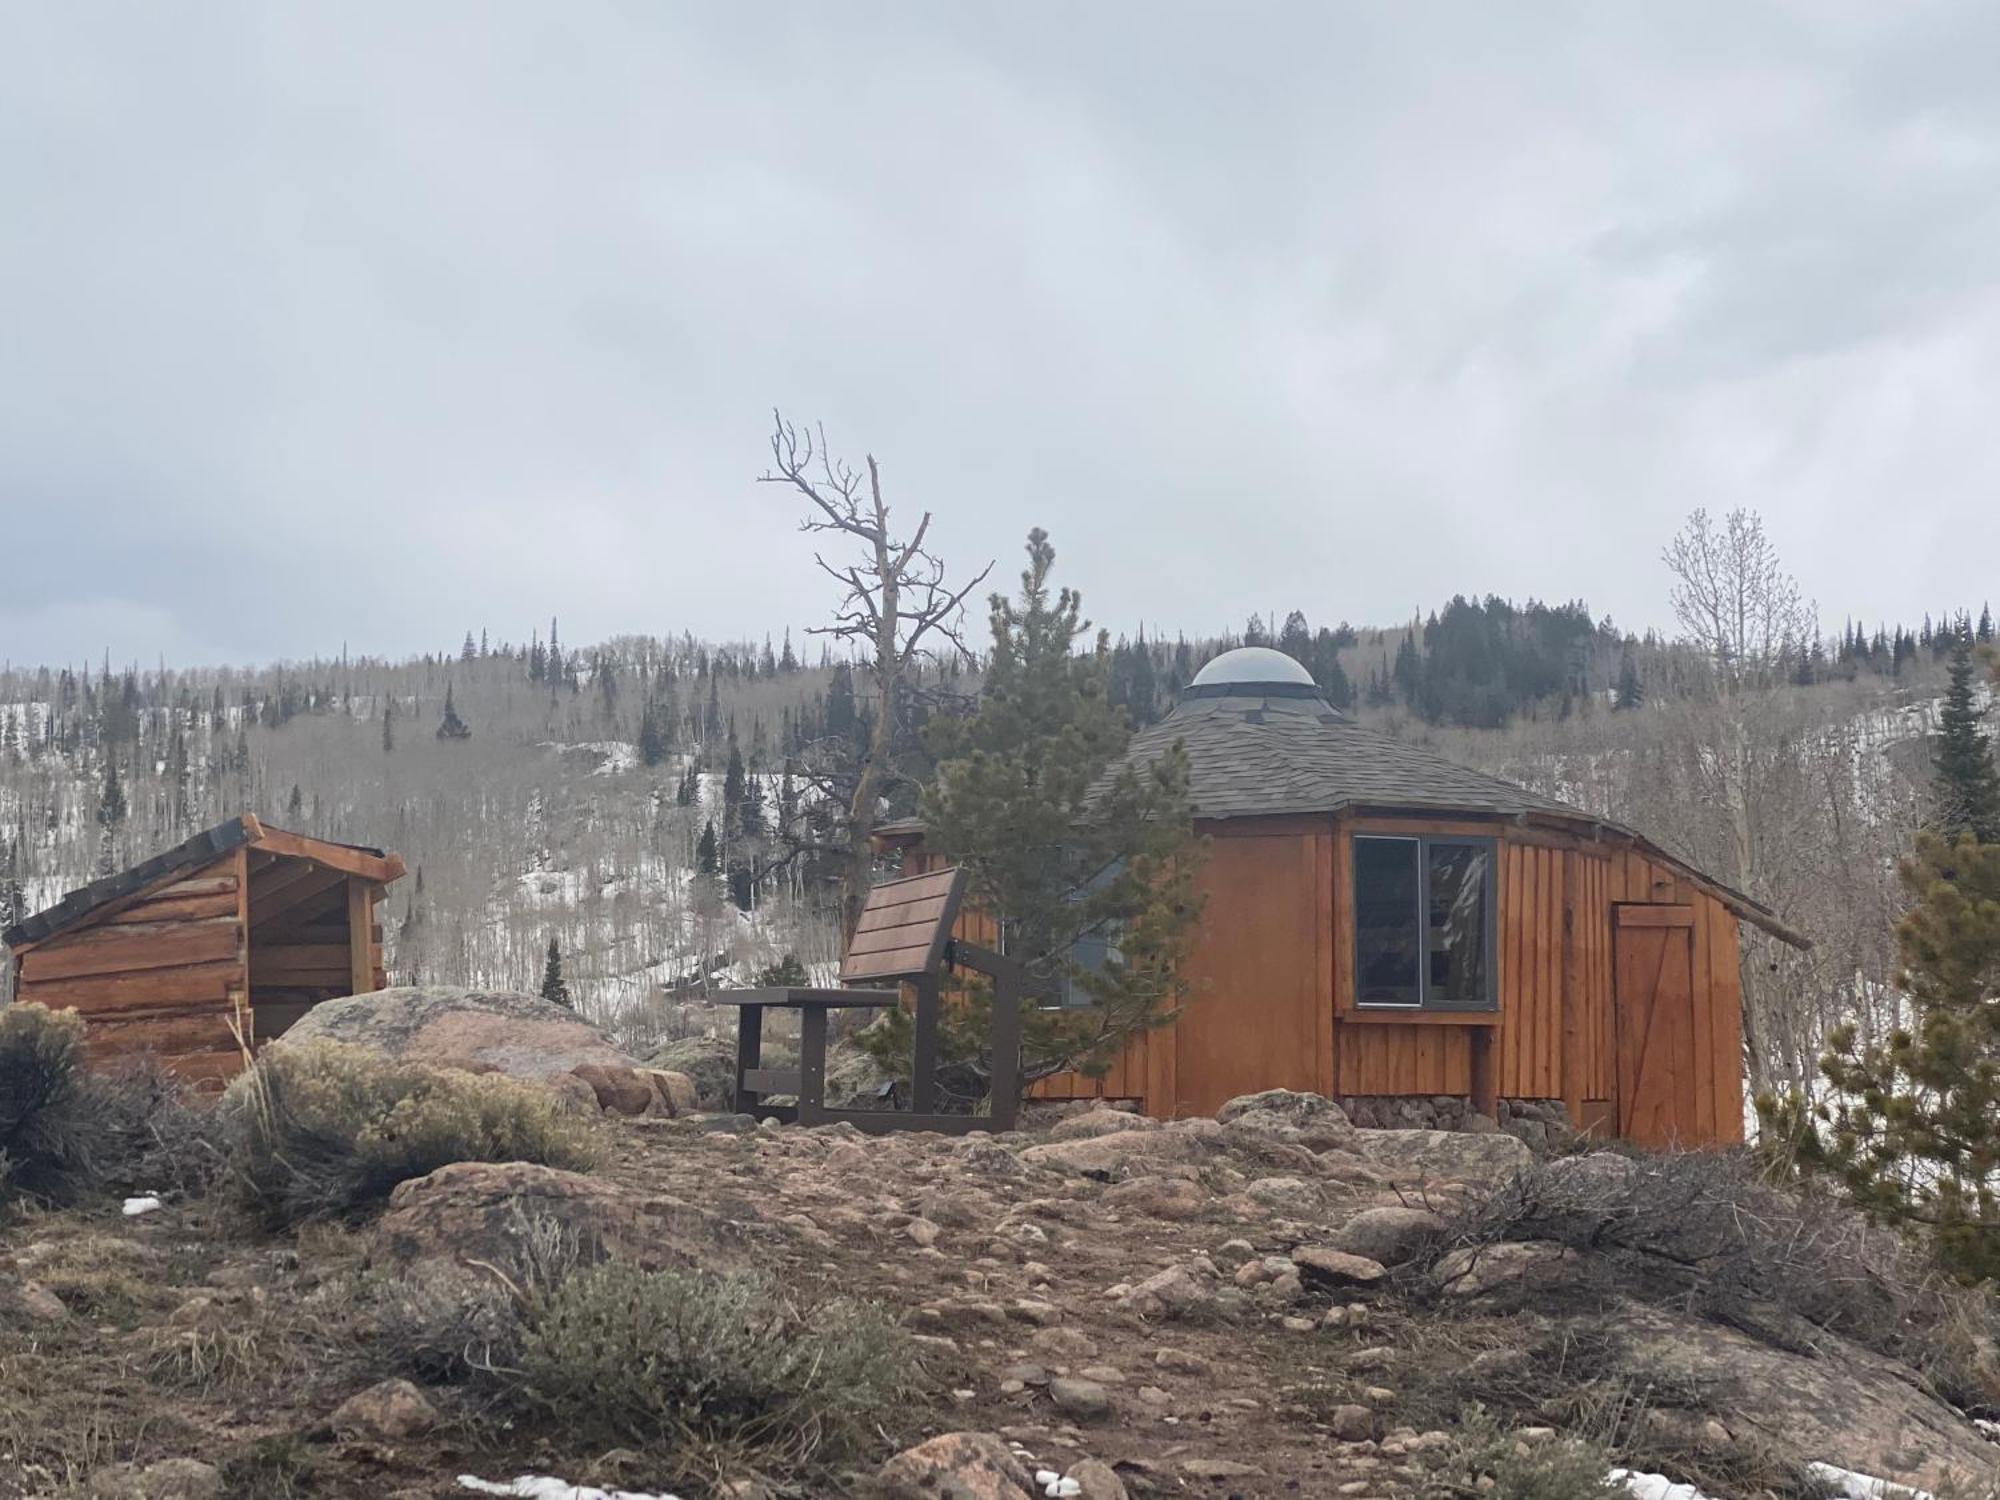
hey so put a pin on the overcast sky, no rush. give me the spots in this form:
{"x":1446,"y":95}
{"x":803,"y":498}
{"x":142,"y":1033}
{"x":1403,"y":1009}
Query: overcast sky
{"x":369,"y":324}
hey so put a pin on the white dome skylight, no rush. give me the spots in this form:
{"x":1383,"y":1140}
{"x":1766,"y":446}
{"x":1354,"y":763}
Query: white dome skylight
{"x":1252,"y":666}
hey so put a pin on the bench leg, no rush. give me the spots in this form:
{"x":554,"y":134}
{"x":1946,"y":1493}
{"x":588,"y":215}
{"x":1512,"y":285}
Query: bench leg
{"x":749,"y":1054}
{"x":812,"y":1066}
{"x":923,"y":1065}
{"x":1006,"y":1053}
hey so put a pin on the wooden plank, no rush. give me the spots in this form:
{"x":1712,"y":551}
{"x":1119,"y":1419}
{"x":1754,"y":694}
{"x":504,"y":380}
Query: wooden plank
{"x":885,"y":939}
{"x":905,"y":914}
{"x":279,"y":956}
{"x":890,"y":964}
{"x":198,"y":1030}
{"x":1570,"y":1054}
{"x":174,"y":909}
{"x":1320,"y":846}
{"x":1655,"y":916}
{"x":360,"y":952}
{"x":198,"y":885}
{"x":297,"y":895}
{"x":1701,"y":1080}
{"x":379,"y":868}
{"x":94,"y":994}
{"x":1548,"y":1001}
{"x":120,"y":950}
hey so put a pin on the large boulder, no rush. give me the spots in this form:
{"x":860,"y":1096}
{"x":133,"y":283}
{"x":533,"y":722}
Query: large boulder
{"x":1443,"y":1155}
{"x":507,"y":1213}
{"x":709,"y":1062}
{"x":1126,"y":1153}
{"x":1390,"y":1234}
{"x":496,"y":1031}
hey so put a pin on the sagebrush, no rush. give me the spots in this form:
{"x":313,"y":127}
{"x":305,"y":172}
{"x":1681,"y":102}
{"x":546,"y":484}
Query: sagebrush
{"x":325,"y":1130}
{"x":691,"y":1362}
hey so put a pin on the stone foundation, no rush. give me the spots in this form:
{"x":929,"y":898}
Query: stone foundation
{"x":1542,"y":1123}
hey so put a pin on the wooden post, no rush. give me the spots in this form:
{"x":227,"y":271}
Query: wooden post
{"x":749,"y":1053}
{"x":1570,"y":1062}
{"x":1485,"y":1083}
{"x":1006,"y":1051}
{"x":812,"y":1065}
{"x":360,"y":961}
{"x":923,"y":1065}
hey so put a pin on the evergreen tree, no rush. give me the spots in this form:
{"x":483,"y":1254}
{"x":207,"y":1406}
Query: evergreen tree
{"x":707,"y":853}
{"x":734,"y":781}
{"x":388,"y":723}
{"x":1914,"y":1127}
{"x":652,"y":743}
{"x":1964,"y":781}
{"x":1631,"y":692}
{"x":1093,"y":875}
{"x":111,"y":805}
{"x":469,"y":650}
{"x":555,"y":988}
{"x":452,"y":727}
{"x":786,"y":973}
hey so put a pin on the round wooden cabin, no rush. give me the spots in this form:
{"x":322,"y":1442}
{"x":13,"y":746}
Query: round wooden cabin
{"x":202,"y":953}
{"x":1382,"y":922}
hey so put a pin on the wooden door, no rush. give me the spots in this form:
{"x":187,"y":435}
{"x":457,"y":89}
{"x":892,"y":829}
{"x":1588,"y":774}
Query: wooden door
{"x":1653,"y":1000}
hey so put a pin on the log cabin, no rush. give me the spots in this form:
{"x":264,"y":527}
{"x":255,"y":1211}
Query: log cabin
{"x":203,"y":953}
{"x":1380,"y":922}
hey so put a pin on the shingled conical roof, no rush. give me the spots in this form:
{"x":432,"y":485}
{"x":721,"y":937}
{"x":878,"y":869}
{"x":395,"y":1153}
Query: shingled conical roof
{"x":1261,"y":740}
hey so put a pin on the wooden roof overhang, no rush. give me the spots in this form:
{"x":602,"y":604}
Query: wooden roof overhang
{"x":106,"y":897}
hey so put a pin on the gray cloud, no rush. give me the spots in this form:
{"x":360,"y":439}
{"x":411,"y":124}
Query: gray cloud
{"x":368,"y":324}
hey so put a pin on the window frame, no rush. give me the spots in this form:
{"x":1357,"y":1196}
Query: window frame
{"x":1490,"y":938}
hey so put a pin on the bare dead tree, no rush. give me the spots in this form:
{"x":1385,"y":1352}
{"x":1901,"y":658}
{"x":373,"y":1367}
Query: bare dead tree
{"x":896,"y":604}
{"x":1734,"y":599}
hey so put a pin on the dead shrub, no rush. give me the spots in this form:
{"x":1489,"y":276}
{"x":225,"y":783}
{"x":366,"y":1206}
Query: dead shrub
{"x":52,"y":1142}
{"x":709,"y":1369}
{"x":1710,"y":1234}
{"x":1487,"y":1462}
{"x":326,"y":1130}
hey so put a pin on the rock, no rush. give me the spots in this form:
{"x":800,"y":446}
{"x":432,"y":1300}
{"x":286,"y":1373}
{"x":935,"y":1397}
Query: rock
{"x":620,"y":1088}
{"x":1391,"y":1235}
{"x":1173,"y":1293}
{"x":1476,"y":1270}
{"x":1218,"y":1468}
{"x":678,"y":1092}
{"x":1323,"y":1267}
{"x":1309,"y":1120}
{"x":1447,"y":1155}
{"x":1063,"y":1345}
{"x":390,"y":1411}
{"x":488,"y":1211}
{"x":1180,"y":1362}
{"x":1096,"y":1480}
{"x":1085,"y":1400}
{"x":169,"y":1479}
{"x":1291,"y":1194}
{"x":1352,"y":1424}
{"x":30,"y":1302}
{"x":480,"y":1031}
{"x":921,"y":1232}
{"x":1160,"y":1197}
{"x":1122,"y":1153}
{"x":707,"y":1062}
{"x":959,"y":1466}
{"x":1097,"y":1122}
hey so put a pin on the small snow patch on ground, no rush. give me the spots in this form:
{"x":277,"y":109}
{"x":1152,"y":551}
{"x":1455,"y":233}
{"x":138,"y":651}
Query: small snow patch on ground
{"x":542,"y":1487}
{"x":142,"y":1205}
{"x":1863,"y":1486}
{"x":1655,"y":1486}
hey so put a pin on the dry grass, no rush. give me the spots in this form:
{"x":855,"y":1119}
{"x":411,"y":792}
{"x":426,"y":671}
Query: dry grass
{"x":326,"y":1131}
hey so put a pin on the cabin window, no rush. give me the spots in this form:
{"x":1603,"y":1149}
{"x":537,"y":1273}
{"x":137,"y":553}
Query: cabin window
{"x":1423,"y":923}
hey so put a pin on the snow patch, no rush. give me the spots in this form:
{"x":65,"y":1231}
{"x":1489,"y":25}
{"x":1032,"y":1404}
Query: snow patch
{"x":145,"y":1204}
{"x":1855,"y":1486}
{"x":542,"y":1487}
{"x":1654,"y":1486}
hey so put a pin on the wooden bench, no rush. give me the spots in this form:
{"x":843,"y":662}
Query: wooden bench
{"x":904,"y":938}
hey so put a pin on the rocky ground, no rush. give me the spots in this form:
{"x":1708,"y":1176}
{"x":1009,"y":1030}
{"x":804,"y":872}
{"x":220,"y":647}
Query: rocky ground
{"x":1269,"y":1304}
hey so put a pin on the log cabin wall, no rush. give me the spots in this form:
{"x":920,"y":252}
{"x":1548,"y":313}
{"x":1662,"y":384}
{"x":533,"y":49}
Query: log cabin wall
{"x":1273,"y":980}
{"x":210,"y":949}
{"x":162,"y":973}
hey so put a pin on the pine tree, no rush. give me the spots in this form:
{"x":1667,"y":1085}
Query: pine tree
{"x":555,"y":988}
{"x":452,"y":727}
{"x":652,"y":743}
{"x":707,"y":853}
{"x":734,"y":780}
{"x":1631,"y":692}
{"x":1914,"y":1127}
{"x":470,"y":649}
{"x":1965,"y":782}
{"x":388,"y":723}
{"x":1094,"y":876}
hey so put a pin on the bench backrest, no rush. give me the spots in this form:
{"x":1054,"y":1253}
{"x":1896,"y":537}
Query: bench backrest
{"x":905,"y":927}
